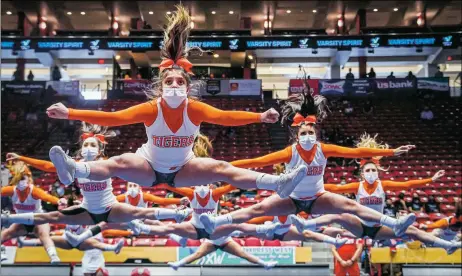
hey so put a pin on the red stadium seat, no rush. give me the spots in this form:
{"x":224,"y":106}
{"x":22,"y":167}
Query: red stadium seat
{"x":193,"y":243}
{"x":252,"y":241}
{"x":171,"y":243}
{"x":272,"y":243}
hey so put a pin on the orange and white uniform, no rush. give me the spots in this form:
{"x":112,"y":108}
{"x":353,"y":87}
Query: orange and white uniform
{"x":142,"y":200}
{"x":29,"y":200}
{"x":442,"y":229}
{"x":373,"y":195}
{"x":171,"y":132}
{"x":97,"y":195}
{"x":314,"y":159}
{"x":346,"y":252}
{"x":285,"y":221}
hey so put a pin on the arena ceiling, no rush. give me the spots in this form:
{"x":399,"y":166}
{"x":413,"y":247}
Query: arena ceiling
{"x":208,"y":15}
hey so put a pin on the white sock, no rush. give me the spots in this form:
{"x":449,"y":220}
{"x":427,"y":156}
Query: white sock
{"x":162,"y":213}
{"x":309,"y":224}
{"x":178,"y":239}
{"x":267,"y":181}
{"x":388,"y":221}
{"x":442,"y":243}
{"x":179,"y":263}
{"x":109,"y":247}
{"x":329,"y":240}
{"x":26,"y":218}
{"x":261,"y":262}
{"x":85,"y":235}
{"x":51,"y":251}
{"x":261,"y":229}
{"x":223,"y":220}
{"x":32,"y":242}
{"x":82,"y":170}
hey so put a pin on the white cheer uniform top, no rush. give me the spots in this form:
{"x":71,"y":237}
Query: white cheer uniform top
{"x":29,"y":205}
{"x":201,"y":206}
{"x":167,"y":151}
{"x":75,"y":229}
{"x":285,"y":224}
{"x":375,"y":201}
{"x":313,"y":183}
{"x":141,"y":202}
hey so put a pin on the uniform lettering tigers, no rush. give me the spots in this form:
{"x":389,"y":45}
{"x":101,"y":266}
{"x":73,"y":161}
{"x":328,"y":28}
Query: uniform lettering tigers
{"x":24,"y":207}
{"x":372,"y":200}
{"x":93,"y":186}
{"x":173,"y":141}
{"x":314,"y":170}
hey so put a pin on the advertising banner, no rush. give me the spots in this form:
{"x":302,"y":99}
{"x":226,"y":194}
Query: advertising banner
{"x":401,"y":84}
{"x":136,"y":87}
{"x":67,"y":88}
{"x":283,"y":255}
{"x":8,"y":254}
{"x":296,"y":86}
{"x":213,"y":87}
{"x":435,"y":84}
{"x":244,"y":87}
{"x":332,"y":87}
{"x":358,"y":87}
{"x":23,"y":87}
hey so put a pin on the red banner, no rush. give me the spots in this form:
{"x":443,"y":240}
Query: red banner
{"x":137,"y":87}
{"x":296,"y":86}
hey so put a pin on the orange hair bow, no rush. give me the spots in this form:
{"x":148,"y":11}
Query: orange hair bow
{"x":100,"y":137}
{"x":299,"y":119}
{"x":365,"y":161}
{"x":182,"y":62}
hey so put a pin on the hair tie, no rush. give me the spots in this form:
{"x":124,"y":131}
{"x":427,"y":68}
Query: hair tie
{"x":100,"y":137}
{"x":182,"y":63}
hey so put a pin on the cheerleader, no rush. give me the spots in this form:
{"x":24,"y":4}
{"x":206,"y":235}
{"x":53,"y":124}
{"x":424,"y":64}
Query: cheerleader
{"x":99,"y":203}
{"x":370,"y":192}
{"x":172,"y":120}
{"x":447,"y":228}
{"x":27,"y":199}
{"x":309,"y":196}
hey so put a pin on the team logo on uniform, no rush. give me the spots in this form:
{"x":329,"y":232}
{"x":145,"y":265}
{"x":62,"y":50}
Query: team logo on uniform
{"x":303,"y":43}
{"x":233,"y":44}
{"x":25,"y":44}
{"x":375,"y":42}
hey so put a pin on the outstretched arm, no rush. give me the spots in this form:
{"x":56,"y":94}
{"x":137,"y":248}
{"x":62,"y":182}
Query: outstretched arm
{"x":330,"y":150}
{"x":188,"y":192}
{"x":42,"y":165}
{"x":282,"y":156}
{"x":160,"y":200}
{"x":200,"y":112}
{"x":7,"y":191}
{"x":341,"y":189}
{"x":142,"y":113}
{"x":411,"y":184}
{"x":442,"y":223}
{"x":218,"y":192}
{"x":38,"y":193}
{"x":260,"y":220}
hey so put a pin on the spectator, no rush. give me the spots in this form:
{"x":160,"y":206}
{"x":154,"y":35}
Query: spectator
{"x":410,"y":76}
{"x":30,"y":77}
{"x":391,"y":76}
{"x":348,"y":109}
{"x":432,"y":206}
{"x":17,"y":75}
{"x":426,"y":114}
{"x":146,"y":26}
{"x":415,"y":205}
{"x":127,"y":77}
{"x":400,"y":204}
{"x":349,"y":75}
{"x":346,"y":258}
{"x":5,"y":176}
{"x":389,"y":209}
{"x":368,"y":108}
{"x":31,"y":117}
{"x":56,"y":74}
{"x":439,"y":74}
{"x":371,"y":73}
{"x":138,"y":76}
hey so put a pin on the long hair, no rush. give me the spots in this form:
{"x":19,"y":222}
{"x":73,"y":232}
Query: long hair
{"x":202,"y":146}
{"x":176,"y":34}
{"x":19,"y":169}
{"x":368,"y":141}
{"x":95,"y":129}
{"x":304,"y":103}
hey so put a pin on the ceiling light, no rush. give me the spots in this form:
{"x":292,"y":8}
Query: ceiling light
{"x":339,"y":16}
{"x":69,"y":13}
{"x":82,"y":13}
{"x":250,"y":57}
{"x":169,"y":12}
{"x":214,"y":12}
{"x":376,"y":10}
{"x":115,"y":25}
{"x":151,"y":12}
{"x":43,"y":25}
{"x":288,"y":11}
{"x":216,"y":55}
{"x":9,"y":12}
{"x":117,"y":57}
{"x":231,"y":12}
{"x":395,"y":9}
{"x":315,"y":11}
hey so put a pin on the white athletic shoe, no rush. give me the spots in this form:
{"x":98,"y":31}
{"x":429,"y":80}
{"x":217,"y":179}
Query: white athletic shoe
{"x":119,"y":246}
{"x":179,"y":239}
{"x":298,"y":222}
{"x":65,"y":166}
{"x":270,"y":264}
{"x":287,"y":182}
{"x":403,"y":224}
{"x":55,"y":260}
{"x":20,"y":242}
{"x":72,"y":238}
{"x":135,"y":226}
{"x":455,"y":245}
{"x":181,"y":215}
{"x":339,"y":241}
{"x":174,"y":265}
{"x":270,"y":229}
{"x":209,"y":222}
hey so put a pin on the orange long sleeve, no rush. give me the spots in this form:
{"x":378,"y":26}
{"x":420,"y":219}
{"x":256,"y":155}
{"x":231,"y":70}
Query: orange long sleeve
{"x":38,"y":193}
{"x":337,"y":151}
{"x":411,"y":184}
{"x":341,"y":189}
{"x":188,"y":192}
{"x":160,"y":200}
{"x":199,"y":112}
{"x":116,"y":233}
{"x":442,"y":223}
{"x":121,"y":198}
{"x":218,"y":192}
{"x":282,"y":156}
{"x":7,"y":191}
{"x":260,"y":220}
{"x":142,"y":113}
{"x":42,"y":165}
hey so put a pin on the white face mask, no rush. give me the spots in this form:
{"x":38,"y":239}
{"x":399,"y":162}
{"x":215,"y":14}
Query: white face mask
{"x":90,"y":153}
{"x":307,"y":141}
{"x":60,"y":191}
{"x":371,"y":177}
{"x":22,"y":184}
{"x":133,"y":191}
{"x":202,"y":191}
{"x":174,"y":96}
